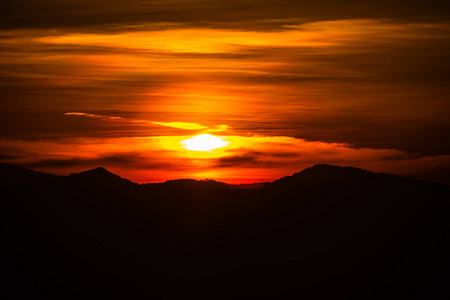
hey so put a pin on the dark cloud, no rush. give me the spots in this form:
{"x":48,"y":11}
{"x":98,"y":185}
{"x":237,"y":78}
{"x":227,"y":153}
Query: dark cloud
{"x":9,"y":157}
{"x":122,"y":160}
{"x":255,"y":159}
{"x":95,"y":14}
{"x":247,"y":159}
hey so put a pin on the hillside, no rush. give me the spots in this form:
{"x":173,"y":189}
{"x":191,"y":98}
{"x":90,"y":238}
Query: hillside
{"x":324,"y":232}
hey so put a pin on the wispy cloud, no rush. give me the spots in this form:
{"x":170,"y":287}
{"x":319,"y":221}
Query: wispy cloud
{"x":94,"y":116}
{"x":102,"y":15}
{"x":182,"y":125}
{"x":178,"y":125}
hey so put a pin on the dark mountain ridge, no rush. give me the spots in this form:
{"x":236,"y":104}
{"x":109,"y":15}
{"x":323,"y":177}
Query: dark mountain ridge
{"x":327,"y":231}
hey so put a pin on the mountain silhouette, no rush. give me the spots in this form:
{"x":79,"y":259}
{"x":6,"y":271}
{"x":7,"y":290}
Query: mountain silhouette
{"x":327,"y":231}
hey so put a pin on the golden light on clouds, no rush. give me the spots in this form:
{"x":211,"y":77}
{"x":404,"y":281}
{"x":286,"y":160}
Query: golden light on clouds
{"x":147,"y":100}
{"x":196,"y":40}
{"x":178,"y":125}
{"x":244,"y":159}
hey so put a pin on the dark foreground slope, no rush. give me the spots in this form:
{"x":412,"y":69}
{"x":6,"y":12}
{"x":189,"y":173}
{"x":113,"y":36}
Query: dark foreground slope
{"x":325,"y":232}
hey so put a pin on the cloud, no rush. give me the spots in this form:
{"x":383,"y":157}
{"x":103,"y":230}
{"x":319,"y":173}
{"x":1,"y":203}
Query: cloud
{"x":94,"y":116}
{"x":178,"y":125}
{"x":251,"y":158}
{"x":105,"y":15}
{"x":373,"y":90}
{"x":132,"y":161}
{"x":182,"y":125}
{"x":376,"y":83}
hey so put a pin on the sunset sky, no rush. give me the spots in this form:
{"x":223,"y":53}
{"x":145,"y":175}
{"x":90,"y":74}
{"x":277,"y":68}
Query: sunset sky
{"x":275,"y":86}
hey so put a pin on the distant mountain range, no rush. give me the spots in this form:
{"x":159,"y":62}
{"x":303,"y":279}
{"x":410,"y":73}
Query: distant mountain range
{"x":325,"y":232}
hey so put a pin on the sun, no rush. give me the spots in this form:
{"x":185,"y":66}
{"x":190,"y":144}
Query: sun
{"x":204,"y":142}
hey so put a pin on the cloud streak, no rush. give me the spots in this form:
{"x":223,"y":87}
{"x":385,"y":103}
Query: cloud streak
{"x":177,"y":125}
{"x":104,"y":15}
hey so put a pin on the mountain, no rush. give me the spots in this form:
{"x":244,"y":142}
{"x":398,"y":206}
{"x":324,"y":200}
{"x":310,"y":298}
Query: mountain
{"x":324,"y":232}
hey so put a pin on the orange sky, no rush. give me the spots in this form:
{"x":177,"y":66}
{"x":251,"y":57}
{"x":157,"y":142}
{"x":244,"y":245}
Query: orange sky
{"x":364,"y":87}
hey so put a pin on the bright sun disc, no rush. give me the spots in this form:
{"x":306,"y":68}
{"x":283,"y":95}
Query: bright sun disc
{"x":204,"y":142}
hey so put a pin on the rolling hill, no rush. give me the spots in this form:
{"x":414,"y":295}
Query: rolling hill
{"x":324,"y":232}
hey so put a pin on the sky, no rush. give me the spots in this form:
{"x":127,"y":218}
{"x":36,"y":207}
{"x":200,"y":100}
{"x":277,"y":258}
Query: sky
{"x":276,"y":86}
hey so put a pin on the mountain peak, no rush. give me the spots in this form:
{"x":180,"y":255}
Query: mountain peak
{"x":99,"y":175}
{"x":333,"y":168}
{"x":99,"y":171}
{"x":324,"y":173}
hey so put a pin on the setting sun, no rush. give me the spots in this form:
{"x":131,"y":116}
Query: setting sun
{"x":204,"y":142}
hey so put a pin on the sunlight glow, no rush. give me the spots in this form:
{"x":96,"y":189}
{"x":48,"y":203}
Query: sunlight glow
{"x":204,"y":142}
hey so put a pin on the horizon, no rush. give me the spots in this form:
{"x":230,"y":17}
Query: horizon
{"x":237,"y":92}
{"x":233,"y":183}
